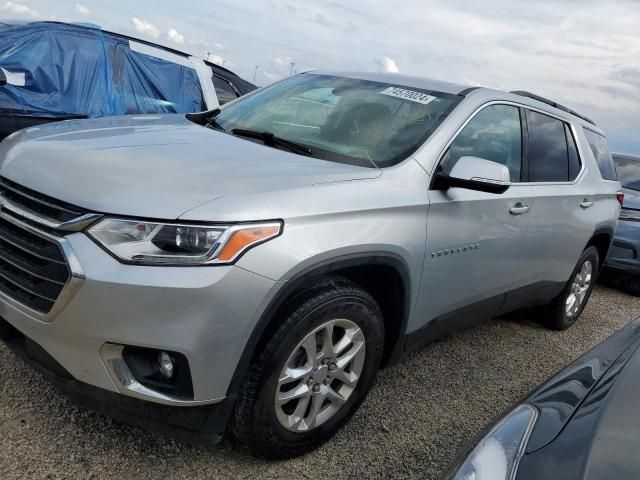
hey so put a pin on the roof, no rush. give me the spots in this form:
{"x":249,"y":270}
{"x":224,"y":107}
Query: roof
{"x":399,"y":79}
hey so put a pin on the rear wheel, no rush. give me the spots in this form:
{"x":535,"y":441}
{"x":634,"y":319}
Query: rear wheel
{"x":567,"y":307}
{"x":313,"y":372}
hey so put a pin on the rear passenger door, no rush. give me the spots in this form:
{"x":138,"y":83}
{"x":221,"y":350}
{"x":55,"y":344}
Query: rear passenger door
{"x":560,"y":224}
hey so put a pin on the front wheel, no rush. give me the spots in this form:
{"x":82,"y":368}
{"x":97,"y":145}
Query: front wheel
{"x":314,"y":371}
{"x":567,"y":307}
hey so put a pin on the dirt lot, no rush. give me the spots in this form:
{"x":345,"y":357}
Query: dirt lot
{"x":418,"y":417}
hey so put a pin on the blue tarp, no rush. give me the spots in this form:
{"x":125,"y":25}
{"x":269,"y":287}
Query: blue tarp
{"x":75,"y":70}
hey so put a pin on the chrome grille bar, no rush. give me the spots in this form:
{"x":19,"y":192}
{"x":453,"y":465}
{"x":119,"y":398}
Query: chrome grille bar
{"x":39,"y":272}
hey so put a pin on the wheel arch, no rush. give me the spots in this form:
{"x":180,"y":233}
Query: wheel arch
{"x":353,"y":267}
{"x":602,"y":239}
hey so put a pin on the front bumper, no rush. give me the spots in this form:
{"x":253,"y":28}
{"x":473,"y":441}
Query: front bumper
{"x":196,"y":425}
{"x":205,"y":313}
{"x":624,"y":256}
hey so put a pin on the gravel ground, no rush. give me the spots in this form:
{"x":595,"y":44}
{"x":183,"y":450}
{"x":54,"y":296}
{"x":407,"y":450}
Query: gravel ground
{"x":420,"y":414}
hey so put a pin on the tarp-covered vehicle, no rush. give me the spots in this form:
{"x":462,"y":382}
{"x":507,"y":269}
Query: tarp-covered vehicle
{"x":52,"y":71}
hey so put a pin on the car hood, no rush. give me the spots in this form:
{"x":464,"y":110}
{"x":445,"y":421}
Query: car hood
{"x":154,"y":166}
{"x":560,"y":397}
{"x":588,"y":416}
{"x":615,"y":440}
{"x":631,"y":199}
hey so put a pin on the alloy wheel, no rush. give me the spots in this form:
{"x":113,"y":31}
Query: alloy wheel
{"x":320,"y":375}
{"x":579,"y":289}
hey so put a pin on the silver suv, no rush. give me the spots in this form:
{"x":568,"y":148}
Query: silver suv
{"x":252,"y":267}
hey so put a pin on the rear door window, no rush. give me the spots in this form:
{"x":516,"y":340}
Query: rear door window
{"x":548,"y":151}
{"x":224,"y":90}
{"x":601,"y":151}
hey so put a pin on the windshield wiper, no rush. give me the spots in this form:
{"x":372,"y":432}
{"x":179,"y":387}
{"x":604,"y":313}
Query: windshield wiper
{"x":271,"y":140}
{"x":207,"y":119}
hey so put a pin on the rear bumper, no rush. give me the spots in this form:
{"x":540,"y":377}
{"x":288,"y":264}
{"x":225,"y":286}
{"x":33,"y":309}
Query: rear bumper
{"x":196,"y":424}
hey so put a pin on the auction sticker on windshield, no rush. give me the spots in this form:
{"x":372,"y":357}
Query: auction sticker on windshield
{"x":411,"y":95}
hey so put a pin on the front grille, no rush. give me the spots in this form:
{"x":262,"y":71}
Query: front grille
{"x":38,"y":269}
{"x":39,"y":204}
{"x":33,"y":269}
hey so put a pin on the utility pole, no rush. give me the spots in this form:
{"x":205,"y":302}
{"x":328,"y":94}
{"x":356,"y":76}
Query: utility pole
{"x":255,"y":72}
{"x":293,"y":64}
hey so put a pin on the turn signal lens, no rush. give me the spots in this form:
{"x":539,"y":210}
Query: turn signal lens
{"x":244,"y":238}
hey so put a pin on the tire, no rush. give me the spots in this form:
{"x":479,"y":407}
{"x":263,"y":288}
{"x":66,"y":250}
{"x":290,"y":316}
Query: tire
{"x":557,"y":315}
{"x":273,"y":431}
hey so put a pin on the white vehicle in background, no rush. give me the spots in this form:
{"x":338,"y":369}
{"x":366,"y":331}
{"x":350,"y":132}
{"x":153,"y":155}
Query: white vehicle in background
{"x":52,"y":71}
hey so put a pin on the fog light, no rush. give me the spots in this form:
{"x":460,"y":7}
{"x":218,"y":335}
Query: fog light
{"x":165,"y":362}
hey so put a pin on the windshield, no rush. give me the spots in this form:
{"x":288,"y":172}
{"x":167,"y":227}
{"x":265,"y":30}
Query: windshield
{"x":341,"y":119}
{"x":628,"y":172}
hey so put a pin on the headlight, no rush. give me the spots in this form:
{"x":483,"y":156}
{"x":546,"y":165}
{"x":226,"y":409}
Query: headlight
{"x":152,"y":243}
{"x":497,"y":455}
{"x":629,"y":214}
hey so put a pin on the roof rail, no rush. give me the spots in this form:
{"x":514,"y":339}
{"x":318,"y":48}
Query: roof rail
{"x":467,"y":91}
{"x":553,"y":104}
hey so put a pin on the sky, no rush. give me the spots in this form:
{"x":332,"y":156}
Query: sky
{"x":582,"y":53}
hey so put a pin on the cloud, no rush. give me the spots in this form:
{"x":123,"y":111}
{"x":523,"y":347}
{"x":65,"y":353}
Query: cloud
{"x":81,"y":9}
{"x":20,"y":9}
{"x":543,"y":46}
{"x":145,"y":27}
{"x":387,"y":65}
{"x":281,"y":61}
{"x":174,"y":36}
{"x":322,"y":20}
{"x":217,"y":59}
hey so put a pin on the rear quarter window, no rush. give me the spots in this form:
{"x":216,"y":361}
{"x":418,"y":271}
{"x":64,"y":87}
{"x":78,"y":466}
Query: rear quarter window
{"x":603,"y":156}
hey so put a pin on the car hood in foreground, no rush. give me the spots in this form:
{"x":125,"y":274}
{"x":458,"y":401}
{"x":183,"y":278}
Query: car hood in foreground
{"x":154,"y":166}
{"x":601,"y":437}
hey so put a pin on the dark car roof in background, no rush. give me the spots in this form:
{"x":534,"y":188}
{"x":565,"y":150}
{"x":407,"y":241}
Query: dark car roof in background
{"x":625,"y":156}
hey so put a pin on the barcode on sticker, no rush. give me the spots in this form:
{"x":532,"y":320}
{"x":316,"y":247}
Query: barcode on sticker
{"x":411,"y":95}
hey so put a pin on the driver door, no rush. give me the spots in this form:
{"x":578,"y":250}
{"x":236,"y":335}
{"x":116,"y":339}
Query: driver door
{"x":476,"y":240}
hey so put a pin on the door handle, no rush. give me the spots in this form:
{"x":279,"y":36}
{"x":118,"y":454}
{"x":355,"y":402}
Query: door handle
{"x":586,"y":204}
{"x":519,"y":209}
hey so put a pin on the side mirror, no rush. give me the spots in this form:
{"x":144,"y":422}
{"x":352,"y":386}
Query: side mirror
{"x":475,"y":173}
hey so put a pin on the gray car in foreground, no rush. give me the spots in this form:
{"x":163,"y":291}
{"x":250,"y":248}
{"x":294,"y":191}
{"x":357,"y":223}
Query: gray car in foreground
{"x":251,"y":268}
{"x":580,"y":424}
